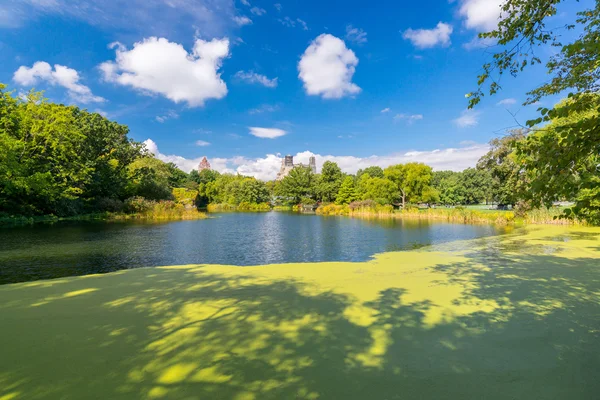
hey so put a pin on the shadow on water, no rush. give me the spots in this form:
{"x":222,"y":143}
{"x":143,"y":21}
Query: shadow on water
{"x":186,"y":333}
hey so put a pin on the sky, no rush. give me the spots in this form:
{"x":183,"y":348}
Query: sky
{"x":245,"y":82}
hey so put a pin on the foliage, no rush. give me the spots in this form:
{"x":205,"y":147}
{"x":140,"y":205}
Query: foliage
{"x":232,"y":190}
{"x":413,"y":181}
{"x":381,"y":190}
{"x":471,"y":186}
{"x":373,"y":172}
{"x":508,"y":181}
{"x":347,"y":192}
{"x":559,"y":163}
{"x":298,"y":184}
{"x":329,"y":182}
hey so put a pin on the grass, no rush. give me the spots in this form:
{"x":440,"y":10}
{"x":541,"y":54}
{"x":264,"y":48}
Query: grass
{"x":512,"y":316}
{"x":243,"y":206}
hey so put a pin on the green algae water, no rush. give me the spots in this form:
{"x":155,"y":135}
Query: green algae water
{"x":512,"y":316}
{"x":80,"y":248}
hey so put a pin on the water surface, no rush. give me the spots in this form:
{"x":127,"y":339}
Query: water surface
{"x":79,"y":248}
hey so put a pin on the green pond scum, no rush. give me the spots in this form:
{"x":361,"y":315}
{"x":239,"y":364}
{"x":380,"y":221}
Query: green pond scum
{"x":513,"y":316}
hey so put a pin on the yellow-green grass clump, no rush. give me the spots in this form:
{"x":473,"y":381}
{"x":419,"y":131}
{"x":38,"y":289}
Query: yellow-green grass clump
{"x":510,"y":316}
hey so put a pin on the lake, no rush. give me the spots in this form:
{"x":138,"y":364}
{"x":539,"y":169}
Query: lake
{"x":46,"y":251}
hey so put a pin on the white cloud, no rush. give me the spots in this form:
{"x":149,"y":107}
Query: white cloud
{"x":291,"y":23}
{"x":409,"y":118}
{"x":202,"y":143}
{"x":277,"y":6}
{"x":264,"y":108}
{"x":427,"y":38}
{"x":467,"y":119}
{"x":481,"y":15}
{"x":139,"y":17}
{"x":266,"y":168}
{"x":258,"y":11}
{"x":356,"y":35}
{"x":507,"y":102}
{"x":156,"y":65}
{"x":187,"y":164}
{"x":241,"y":21}
{"x":57,"y":76}
{"x":327,"y":67}
{"x":385,"y":110}
{"x":479,"y":43}
{"x":245,"y":2}
{"x":267,"y":133}
{"x":253,"y":77}
{"x":171,"y":114}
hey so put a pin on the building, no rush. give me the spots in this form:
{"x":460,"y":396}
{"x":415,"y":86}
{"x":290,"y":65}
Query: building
{"x":204,"y":164}
{"x":287,"y":165}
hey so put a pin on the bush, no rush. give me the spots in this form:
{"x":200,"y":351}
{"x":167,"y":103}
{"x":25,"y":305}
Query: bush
{"x":105,"y":204}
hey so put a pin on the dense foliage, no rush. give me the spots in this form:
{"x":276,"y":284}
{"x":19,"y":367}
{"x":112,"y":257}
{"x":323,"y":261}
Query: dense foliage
{"x":561,"y":157}
{"x":64,"y":161}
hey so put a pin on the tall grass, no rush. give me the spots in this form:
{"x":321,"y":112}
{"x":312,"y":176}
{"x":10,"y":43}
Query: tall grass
{"x":457,"y":214}
{"x":140,"y":208}
{"x":243,"y":206}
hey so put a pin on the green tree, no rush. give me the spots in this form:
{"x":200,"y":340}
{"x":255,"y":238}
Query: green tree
{"x":574,"y":68}
{"x":373,"y":172}
{"x":411,"y":179}
{"x":329,"y":182}
{"x":297,"y":185}
{"x":347,"y":193}
{"x":149,"y":178}
{"x":503,"y":166}
{"x":381,"y":190}
{"x":555,"y":173}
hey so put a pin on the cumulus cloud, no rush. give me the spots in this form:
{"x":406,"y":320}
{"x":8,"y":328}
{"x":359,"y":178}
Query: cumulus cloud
{"x":57,"y":76}
{"x":253,"y":77}
{"x":356,"y":35}
{"x":385,"y":110}
{"x":327,"y":67}
{"x":267,"y":133}
{"x":409,"y":118}
{"x":467,"y":119}
{"x":481,"y":15}
{"x":242,"y":20}
{"x":202,"y":143}
{"x":187,"y":164}
{"x":507,"y":102}
{"x":158,"y":66}
{"x":266,"y":168}
{"x":427,"y":38}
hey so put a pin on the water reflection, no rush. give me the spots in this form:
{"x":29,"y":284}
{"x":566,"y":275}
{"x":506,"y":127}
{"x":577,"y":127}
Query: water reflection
{"x":50,"y":251}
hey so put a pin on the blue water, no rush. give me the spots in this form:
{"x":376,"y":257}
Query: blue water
{"x":66,"y":249}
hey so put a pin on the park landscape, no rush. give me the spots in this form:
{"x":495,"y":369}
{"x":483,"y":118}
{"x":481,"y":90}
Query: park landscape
{"x":123,"y":275}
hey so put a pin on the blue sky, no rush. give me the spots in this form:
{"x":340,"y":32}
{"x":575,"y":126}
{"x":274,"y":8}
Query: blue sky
{"x":243,"y":82}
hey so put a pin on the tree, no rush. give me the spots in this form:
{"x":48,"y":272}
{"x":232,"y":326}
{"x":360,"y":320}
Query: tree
{"x":373,"y":172}
{"x":477,"y":185}
{"x":412,"y":179}
{"x":449,"y":187}
{"x":297,"y":185}
{"x":574,"y":68}
{"x":501,"y":162}
{"x":149,"y":178}
{"x":556,"y":173}
{"x":381,"y":190}
{"x":329,"y":182}
{"x":347,"y":193}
